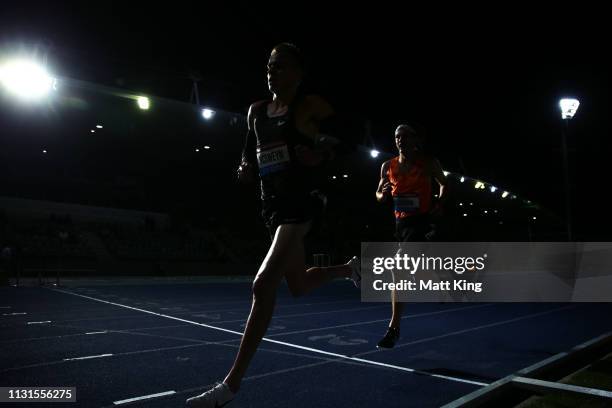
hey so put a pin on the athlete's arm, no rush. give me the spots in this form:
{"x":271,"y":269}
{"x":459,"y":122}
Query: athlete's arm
{"x":334,"y":129}
{"x":248,"y":159}
{"x":438,"y":174}
{"x":384,"y":185}
{"x":322,"y":115}
{"x":319,"y":108}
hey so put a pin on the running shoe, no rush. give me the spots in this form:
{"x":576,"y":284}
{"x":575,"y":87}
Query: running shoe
{"x":218,"y":396}
{"x":356,"y":274}
{"x":390,"y":338}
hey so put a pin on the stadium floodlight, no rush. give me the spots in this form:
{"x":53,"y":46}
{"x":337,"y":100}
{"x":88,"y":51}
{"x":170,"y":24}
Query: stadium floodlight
{"x":345,"y":175}
{"x":92,"y":131}
{"x":479,"y":185}
{"x":465,"y":214}
{"x":26,"y":80}
{"x":197,"y":150}
{"x":99,"y":126}
{"x":493,"y":189}
{"x":143,"y":102}
{"x":569,"y":107}
{"x":462,"y":179}
{"x":207,"y":113}
{"x":505,"y":194}
{"x":207,"y":147}
{"x":334,"y":177}
{"x":446,"y":173}
{"x":374,"y":153}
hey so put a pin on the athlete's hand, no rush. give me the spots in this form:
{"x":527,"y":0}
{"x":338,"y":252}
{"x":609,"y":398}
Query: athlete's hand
{"x":386,"y":188}
{"x":431,"y":235}
{"x":308,"y":156}
{"x":245,"y":172}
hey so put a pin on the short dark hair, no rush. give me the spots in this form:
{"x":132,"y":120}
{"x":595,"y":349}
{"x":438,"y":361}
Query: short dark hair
{"x":292,"y":51}
{"x":416,"y":132}
{"x":408,"y":129}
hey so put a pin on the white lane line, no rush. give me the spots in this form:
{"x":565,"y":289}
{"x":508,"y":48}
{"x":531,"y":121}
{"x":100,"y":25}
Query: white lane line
{"x":412,"y":316}
{"x":282,"y":343}
{"x":303,"y":314}
{"x":327,"y":361}
{"x":470,"y":329}
{"x":14,"y":314}
{"x":144,"y":397}
{"x":149,"y":312}
{"x":412,"y":370}
{"x":327,"y":353}
{"x":322,"y":363}
{"x":196,"y":314}
{"x":46,"y":321}
{"x":272,"y":335}
{"x":551,"y":386}
{"x":423,"y":340}
{"x":61,"y":336}
{"x":87,"y":357}
{"x":51,"y":363}
{"x":183,"y":347}
{"x":198,"y":390}
{"x":228,"y":343}
{"x":247,"y":308}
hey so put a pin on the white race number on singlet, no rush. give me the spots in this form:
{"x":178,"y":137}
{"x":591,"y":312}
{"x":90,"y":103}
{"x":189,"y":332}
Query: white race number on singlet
{"x":272,"y":158}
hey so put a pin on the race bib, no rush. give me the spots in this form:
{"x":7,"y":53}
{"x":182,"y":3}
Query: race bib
{"x":408,"y":203}
{"x":272,"y":158}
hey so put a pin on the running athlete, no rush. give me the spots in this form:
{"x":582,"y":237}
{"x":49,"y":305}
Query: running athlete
{"x":407,"y":179}
{"x":286,"y":142}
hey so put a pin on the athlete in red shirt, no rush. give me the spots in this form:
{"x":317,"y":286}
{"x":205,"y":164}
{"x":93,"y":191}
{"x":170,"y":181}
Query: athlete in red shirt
{"x":407,"y":179}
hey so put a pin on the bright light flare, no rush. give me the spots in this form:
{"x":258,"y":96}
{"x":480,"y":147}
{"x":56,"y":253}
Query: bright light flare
{"x":26,"y":79}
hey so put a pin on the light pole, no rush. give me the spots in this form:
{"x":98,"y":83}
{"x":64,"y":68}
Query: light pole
{"x":568,"y":110}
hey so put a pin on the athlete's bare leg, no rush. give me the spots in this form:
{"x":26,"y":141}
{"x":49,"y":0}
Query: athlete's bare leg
{"x":285,"y":258}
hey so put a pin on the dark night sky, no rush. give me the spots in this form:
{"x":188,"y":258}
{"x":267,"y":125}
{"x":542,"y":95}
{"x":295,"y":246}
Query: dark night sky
{"x":483,"y":81}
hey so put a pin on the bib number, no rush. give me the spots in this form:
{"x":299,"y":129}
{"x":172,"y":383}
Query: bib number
{"x":408,"y":203}
{"x":272,"y":158}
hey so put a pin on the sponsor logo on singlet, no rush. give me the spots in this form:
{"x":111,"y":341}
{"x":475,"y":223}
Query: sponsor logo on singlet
{"x":408,"y":203}
{"x":272,"y":158}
